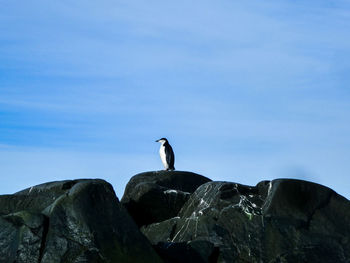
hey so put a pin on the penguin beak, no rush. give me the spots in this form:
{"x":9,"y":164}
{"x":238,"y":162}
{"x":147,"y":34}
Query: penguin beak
{"x":157,"y":140}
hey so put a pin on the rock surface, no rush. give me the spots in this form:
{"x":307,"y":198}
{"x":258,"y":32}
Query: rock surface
{"x":185,"y":216}
{"x":283,"y":220}
{"x":69,"y":221}
{"x":156,"y":196}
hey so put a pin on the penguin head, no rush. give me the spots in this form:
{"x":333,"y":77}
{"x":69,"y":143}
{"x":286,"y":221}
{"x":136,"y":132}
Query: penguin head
{"x":162,"y":140}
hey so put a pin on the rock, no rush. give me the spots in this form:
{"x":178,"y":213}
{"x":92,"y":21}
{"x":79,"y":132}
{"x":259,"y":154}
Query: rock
{"x":160,"y":232}
{"x":70,"y":221}
{"x":156,"y":196}
{"x":187,"y":252}
{"x":190,"y":219}
{"x":279,"y":221}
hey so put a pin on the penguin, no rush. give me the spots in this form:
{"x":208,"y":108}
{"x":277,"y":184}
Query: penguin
{"x":166,"y":154}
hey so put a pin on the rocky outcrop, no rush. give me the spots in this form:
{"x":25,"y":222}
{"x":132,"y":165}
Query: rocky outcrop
{"x":279,"y":221}
{"x":69,"y":221}
{"x":156,"y":196}
{"x":184,"y":217}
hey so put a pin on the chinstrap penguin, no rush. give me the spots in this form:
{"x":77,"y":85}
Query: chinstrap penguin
{"x":166,"y":154}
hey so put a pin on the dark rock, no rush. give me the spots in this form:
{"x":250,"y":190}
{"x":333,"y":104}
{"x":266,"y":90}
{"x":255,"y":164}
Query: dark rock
{"x":69,"y":221}
{"x":160,"y":232}
{"x":279,"y":221}
{"x":187,"y":252}
{"x":156,"y":196}
{"x":186,"y":217}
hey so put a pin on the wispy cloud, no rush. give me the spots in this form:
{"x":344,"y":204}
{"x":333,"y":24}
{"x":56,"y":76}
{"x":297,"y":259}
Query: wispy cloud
{"x":124,"y":39}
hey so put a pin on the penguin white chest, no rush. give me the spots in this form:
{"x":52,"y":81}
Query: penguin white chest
{"x":163,"y":156}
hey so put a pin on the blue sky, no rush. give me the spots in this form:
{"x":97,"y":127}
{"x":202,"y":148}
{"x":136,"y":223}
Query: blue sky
{"x":243,"y":91}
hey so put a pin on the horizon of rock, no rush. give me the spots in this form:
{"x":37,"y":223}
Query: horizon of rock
{"x":175,"y":216}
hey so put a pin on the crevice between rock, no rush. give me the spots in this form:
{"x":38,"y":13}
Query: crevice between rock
{"x":46,"y":224}
{"x":172,"y":233}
